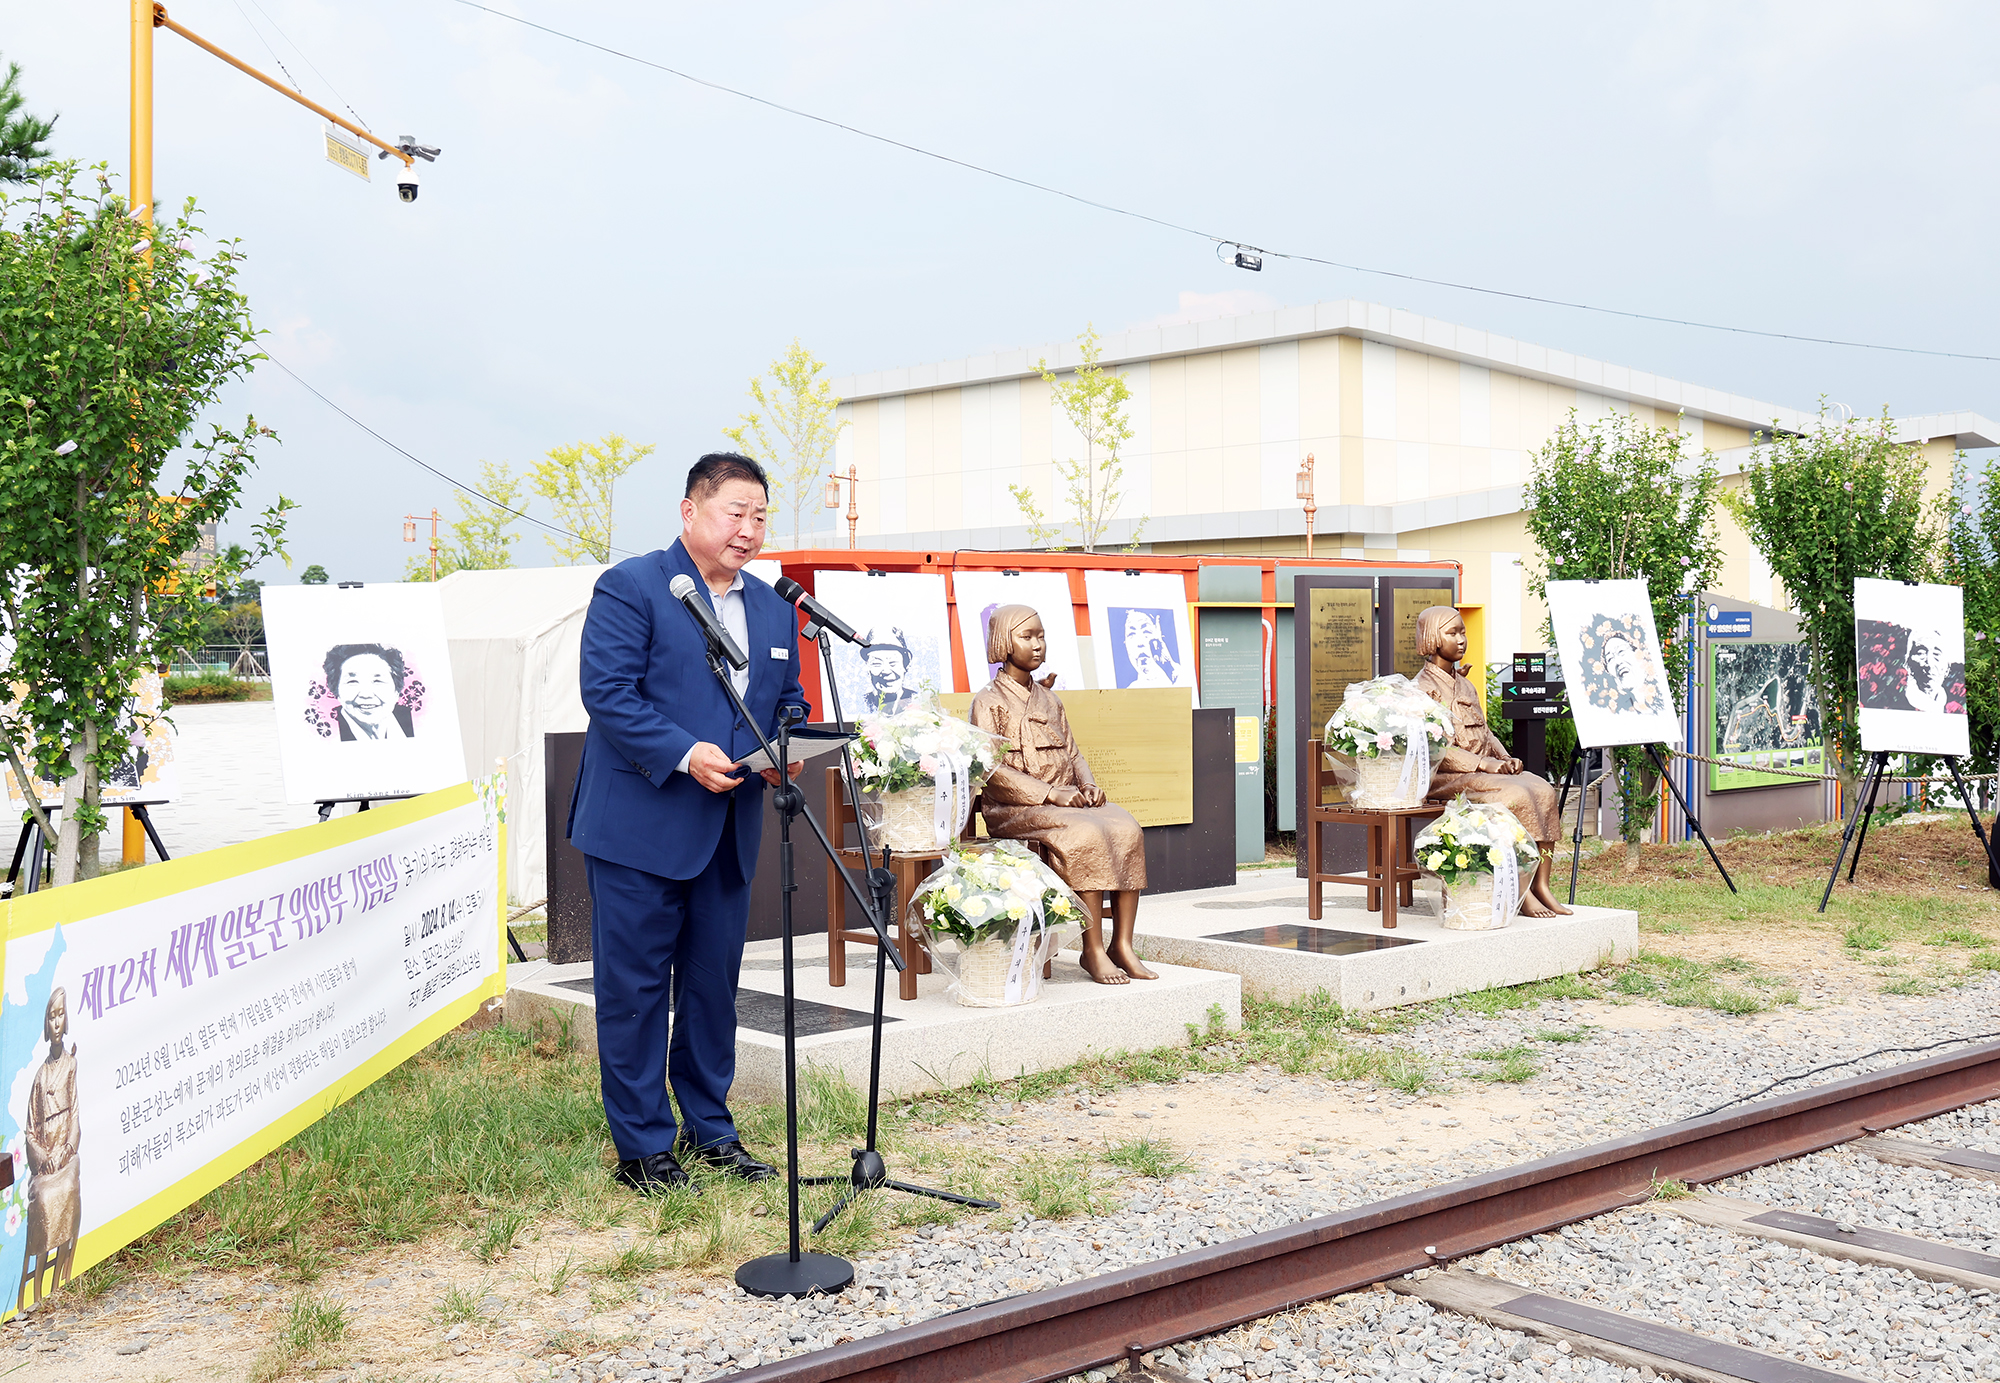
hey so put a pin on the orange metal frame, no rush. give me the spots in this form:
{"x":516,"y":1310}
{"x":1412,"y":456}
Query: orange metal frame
{"x":801,"y":563}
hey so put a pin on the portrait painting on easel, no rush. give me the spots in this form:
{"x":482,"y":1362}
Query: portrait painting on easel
{"x":361,"y":682}
{"x":1618,"y":689}
{"x":1909,"y":667}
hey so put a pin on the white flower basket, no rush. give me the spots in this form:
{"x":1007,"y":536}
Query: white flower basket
{"x":983,"y":969}
{"x":1380,"y":783}
{"x":1468,"y":904}
{"x":908,"y":821}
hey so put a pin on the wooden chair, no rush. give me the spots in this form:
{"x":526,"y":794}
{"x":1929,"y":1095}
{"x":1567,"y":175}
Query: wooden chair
{"x":1391,"y":867}
{"x":909,"y":869}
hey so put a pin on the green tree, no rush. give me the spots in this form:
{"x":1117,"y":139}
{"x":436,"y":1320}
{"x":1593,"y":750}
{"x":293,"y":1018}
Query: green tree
{"x":107,"y":360}
{"x":794,"y":434}
{"x":1094,"y":400}
{"x":1844,"y":499}
{"x":483,"y":539}
{"x":1619,"y":500}
{"x":314,"y":575}
{"x":1969,"y":557}
{"x":23,"y":137}
{"x":578,"y":482}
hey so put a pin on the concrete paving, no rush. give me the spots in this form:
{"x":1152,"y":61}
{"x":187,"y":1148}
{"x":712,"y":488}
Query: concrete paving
{"x":231,"y":787}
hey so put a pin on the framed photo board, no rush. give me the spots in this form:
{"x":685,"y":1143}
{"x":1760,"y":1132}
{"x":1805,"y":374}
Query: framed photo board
{"x":1140,"y":630}
{"x":980,"y":593}
{"x":1763,"y":714}
{"x":361,"y":682}
{"x":905,"y":635}
{"x":1617,"y":678}
{"x":1909,"y":667}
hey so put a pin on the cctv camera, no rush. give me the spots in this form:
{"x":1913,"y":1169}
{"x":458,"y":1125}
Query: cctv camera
{"x":406,"y":183}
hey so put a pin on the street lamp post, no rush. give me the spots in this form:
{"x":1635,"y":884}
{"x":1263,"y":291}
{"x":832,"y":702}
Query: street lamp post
{"x":410,"y":522}
{"x":1306,"y":497}
{"x":853,"y":481}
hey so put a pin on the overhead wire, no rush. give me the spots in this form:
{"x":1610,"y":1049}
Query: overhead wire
{"x":309,"y":63}
{"x":419,"y":461}
{"x":1219,"y":240}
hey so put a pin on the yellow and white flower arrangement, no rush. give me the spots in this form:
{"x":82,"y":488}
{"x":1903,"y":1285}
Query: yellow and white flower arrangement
{"x":1466,"y":842}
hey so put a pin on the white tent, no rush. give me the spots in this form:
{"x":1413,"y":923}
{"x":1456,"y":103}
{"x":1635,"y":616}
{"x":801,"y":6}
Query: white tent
{"x":514,"y":637}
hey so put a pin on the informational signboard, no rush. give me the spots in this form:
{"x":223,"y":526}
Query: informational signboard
{"x":1728,"y":624}
{"x":1406,"y":603}
{"x":343,"y":150}
{"x":165,"y":1027}
{"x":1232,"y":674}
{"x":1342,"y":625}
{"x":1763,"y":715}
{"x":1139,"y":745}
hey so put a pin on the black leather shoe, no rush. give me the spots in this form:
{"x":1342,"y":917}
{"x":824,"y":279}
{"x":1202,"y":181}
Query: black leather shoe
{"x":654,"y":1175}
{"x":731,"y":1157}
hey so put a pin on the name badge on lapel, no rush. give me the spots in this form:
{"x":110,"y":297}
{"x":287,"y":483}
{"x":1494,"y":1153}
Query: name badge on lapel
{"x":781,"y":653}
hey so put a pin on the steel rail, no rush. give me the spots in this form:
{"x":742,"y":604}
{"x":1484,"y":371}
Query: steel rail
{"x":1083,"y":1325}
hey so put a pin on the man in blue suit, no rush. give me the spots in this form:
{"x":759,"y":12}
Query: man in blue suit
{"x":669,"y":824}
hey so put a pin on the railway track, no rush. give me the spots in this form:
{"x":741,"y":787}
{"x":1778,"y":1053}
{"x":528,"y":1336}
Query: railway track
{"x":1527,"y":1221}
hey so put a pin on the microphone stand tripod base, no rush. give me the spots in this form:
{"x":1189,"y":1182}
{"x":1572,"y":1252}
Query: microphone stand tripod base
{"x":780,"y":1275}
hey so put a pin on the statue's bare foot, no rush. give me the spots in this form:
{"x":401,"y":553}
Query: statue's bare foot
{"x":1101,"y":968}
{"x":1532,"y":906}
{"x":1127,"y":959}
{"x":1556,"y":907}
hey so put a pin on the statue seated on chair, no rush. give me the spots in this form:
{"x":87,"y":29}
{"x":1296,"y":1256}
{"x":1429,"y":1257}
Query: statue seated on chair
{"x":1042,"y":791}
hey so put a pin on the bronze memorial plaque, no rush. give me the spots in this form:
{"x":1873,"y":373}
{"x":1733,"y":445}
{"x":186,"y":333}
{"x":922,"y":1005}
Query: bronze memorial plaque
{"x":1343,"y":649}
{"x":1412,"y":601}
{"x":1139,"y":744}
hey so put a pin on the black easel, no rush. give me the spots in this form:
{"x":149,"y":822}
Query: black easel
{"x":870,"y":1172}
{"x":1653,"y":751}
{"x":1581,"y":776}
{"x":795,"y":1273}
{"x":31,"y":845}
{"x":1864,"y":804}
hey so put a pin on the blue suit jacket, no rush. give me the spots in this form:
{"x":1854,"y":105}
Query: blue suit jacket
{"x":650,"y":696}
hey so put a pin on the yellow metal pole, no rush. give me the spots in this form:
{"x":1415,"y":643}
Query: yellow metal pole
{"x":141,"y":181}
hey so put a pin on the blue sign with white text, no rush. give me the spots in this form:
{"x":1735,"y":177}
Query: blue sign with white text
{"x":1728,"y":624}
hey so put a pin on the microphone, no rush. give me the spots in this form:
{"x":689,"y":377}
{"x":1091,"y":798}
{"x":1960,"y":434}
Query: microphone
{"x":818,"y":613}
{"x":718,"y":638}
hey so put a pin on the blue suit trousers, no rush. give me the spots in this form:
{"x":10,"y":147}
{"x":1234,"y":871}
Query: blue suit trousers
{"x":644,"y":928}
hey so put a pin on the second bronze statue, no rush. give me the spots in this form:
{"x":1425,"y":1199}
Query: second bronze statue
{"x":1475,"y":762}
{"x":1043,"y":791}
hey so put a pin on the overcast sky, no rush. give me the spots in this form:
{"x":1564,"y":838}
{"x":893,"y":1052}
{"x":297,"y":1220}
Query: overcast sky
{"x":604,"y":246}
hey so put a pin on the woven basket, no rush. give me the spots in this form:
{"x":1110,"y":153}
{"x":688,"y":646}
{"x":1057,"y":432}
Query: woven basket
{"x":982,"y":970}
{"x":907,"y":820}
{"x":1468,"y":907}
{"x":1377,"y":784}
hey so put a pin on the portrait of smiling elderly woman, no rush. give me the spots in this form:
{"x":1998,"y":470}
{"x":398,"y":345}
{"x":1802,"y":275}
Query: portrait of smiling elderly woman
{"x":367,"y":680}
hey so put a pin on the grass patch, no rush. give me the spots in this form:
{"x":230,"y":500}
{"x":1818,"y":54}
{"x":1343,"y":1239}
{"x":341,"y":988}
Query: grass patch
{"x":1512,"y":1065}
{"x":1685,"y":983}
{"x":1868,"y":936}
{"x":306,"y":1336}
{"x":1149,"y":1157}
{"x":1056,"y":1188}
{"x":637,"y":1260}
{"x":1984,"y":960}
{"x":1668,"y":1189}
{"x":458,"y":1305}
{"x":1957,"y":936}
{"x":1910,"y":984}
{"x":1491,"y":1003}
{"x":213,"y":686}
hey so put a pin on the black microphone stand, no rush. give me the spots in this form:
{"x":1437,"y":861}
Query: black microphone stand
{"x":793,"y":1273}
{"x":870,"y":1172}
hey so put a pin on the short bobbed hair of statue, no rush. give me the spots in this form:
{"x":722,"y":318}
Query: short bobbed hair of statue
{"x":337,"y":656}
{"x":718,"y":468}
{"x":1430,"y":628}
{"x":1000,"y":629}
